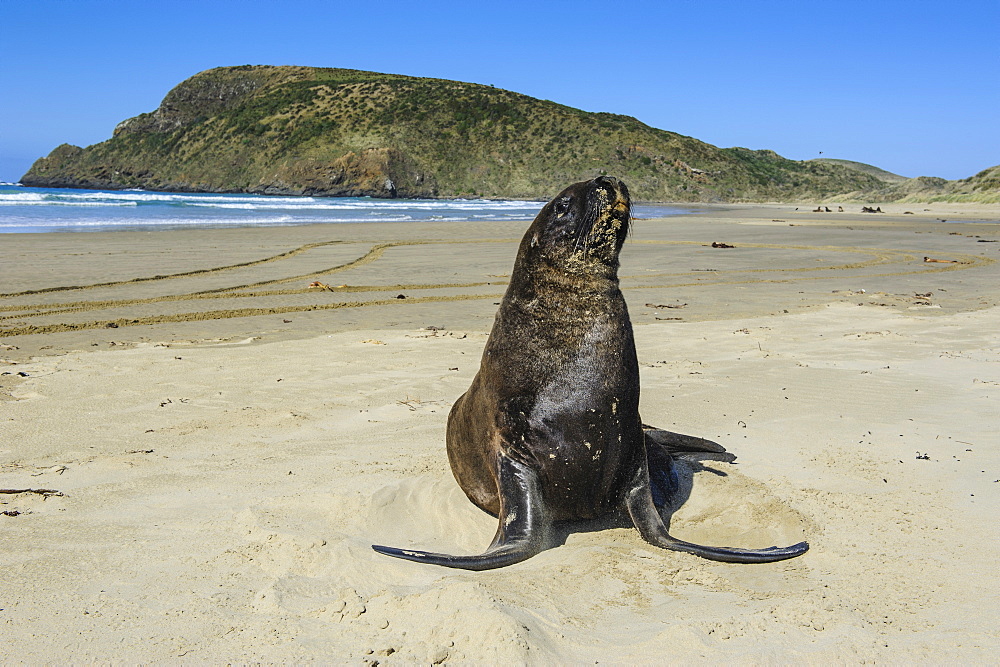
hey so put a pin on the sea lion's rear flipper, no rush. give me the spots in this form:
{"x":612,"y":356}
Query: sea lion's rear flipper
{"x":523,"y":527}
{"x":646,"y":518}
{"x":682,"y":446}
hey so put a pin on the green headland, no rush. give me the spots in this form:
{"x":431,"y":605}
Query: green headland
{"x":338,"y":132}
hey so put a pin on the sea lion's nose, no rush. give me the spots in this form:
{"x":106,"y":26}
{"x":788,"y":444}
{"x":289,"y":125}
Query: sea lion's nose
{"x":614,"y":187}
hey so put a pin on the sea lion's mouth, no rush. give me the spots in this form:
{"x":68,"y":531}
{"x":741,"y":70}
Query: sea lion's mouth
{"x":605,"y":225}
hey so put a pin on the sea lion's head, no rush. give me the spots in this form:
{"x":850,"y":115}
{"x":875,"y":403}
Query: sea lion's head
{"x":583,"y":228}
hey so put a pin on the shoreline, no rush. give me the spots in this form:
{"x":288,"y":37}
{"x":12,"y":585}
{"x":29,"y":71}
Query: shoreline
{"x":229,"y":449}
{"x":833,"y":199}
{"x":954,"y":212}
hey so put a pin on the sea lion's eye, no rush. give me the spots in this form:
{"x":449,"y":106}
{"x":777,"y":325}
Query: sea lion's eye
{"x":562,"y":206}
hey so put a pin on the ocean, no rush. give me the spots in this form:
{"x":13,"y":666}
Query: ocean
{"x":33,"y":210}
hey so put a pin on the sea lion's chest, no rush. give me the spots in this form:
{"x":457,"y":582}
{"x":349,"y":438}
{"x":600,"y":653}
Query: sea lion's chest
{"x":568,"y":392}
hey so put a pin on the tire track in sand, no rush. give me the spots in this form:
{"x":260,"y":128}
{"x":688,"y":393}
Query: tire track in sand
{"x":877,"y":257}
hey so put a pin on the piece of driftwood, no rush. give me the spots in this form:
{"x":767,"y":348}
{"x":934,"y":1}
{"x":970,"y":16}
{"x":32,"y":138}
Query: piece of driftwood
{"x":42,"y":492}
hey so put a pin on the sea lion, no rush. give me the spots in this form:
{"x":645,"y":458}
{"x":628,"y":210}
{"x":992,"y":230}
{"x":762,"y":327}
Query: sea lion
{"x":550,"y":428}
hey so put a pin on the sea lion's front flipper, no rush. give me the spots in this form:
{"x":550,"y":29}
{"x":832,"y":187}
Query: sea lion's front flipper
{"x":646,"y":518}
{"x":523,"y":527}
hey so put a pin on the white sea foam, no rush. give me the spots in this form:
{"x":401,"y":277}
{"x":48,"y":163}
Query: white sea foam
{"x":35,"y":199}
{"x":40,"y":209}
{"x":195,"y":222}
{"x":20,"y":197}
{"x":171,"y":222}
{"x":257,"y":202}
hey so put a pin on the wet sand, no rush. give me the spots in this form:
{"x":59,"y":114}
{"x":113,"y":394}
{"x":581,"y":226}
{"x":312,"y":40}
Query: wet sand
{"x":227,"y":441}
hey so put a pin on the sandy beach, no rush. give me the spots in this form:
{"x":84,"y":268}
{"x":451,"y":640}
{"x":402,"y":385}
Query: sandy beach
{"x":197,"y":448}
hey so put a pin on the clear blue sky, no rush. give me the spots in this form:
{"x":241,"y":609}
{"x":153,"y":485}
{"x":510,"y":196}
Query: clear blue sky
{"x":912,"y":87}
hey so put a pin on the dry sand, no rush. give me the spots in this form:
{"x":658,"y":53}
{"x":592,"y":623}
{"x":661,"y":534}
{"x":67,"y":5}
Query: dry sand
{"x":226,"y":443}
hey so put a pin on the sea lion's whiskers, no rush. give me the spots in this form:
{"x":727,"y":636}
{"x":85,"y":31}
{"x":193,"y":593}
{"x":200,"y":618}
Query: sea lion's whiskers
{"x":585,"y":229}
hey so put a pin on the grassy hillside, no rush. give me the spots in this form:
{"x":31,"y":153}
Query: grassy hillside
{"x":983,"y":188}
{"x":880,"y":174}
{"x":300,"y":130}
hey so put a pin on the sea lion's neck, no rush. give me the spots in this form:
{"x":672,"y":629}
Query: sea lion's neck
{"x":563,"y":301}
{"x":541,"y":279}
